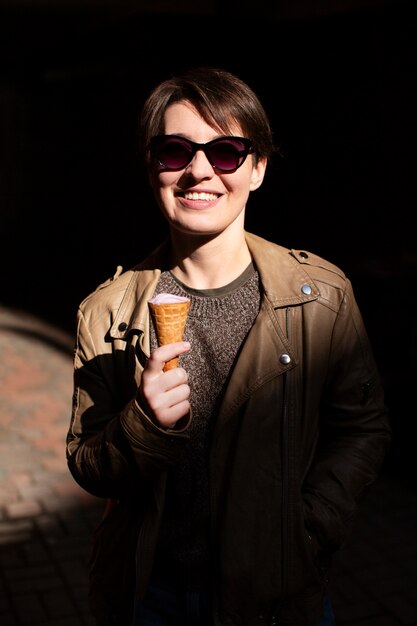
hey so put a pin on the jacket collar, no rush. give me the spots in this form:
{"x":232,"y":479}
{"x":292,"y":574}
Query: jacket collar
{"x":132,"y":314}
{"x":283,"y":275}
{"x":284,"y":279}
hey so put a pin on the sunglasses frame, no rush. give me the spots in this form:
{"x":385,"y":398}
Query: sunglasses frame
{"x":205,"y":147}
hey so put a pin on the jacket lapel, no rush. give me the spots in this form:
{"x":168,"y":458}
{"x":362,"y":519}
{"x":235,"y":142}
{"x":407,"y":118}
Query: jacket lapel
{"x":265,"y":354}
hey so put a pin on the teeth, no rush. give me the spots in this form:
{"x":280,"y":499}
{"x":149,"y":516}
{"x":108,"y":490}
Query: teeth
{"x":200,"y":196}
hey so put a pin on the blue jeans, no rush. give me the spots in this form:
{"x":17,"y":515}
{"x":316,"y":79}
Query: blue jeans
{"x":167,"y":607}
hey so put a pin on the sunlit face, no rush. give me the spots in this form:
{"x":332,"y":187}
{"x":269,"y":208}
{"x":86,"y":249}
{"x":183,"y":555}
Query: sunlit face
{"x":221,"y":197}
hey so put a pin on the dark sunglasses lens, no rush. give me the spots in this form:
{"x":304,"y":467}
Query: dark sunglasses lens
{"x":173,"y":153}
{"x":227,"y":154}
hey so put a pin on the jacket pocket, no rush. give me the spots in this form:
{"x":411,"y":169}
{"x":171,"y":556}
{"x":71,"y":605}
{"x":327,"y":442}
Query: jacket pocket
{"x":320,"y":559}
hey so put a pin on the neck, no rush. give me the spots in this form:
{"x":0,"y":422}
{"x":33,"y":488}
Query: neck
{"x":210,"y":264}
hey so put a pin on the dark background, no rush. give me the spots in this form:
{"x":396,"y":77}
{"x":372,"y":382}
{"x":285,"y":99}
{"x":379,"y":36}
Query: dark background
{"x":338,"y":82}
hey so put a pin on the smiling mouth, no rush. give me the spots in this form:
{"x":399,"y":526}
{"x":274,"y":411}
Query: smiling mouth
{"x":202,"y":195}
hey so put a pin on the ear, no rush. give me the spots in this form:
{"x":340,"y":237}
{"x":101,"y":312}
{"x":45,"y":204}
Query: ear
{"x":258,"y":173}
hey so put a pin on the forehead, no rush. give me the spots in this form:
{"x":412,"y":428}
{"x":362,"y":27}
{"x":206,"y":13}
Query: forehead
{"x":182,"y":118}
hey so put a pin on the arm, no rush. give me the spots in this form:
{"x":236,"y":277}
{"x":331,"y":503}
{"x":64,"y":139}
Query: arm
{"x":113,"y":445}
{"x":354,"y":430}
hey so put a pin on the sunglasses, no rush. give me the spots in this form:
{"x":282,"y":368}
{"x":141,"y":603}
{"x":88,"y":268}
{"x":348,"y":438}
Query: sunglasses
{"x":225,"y":154}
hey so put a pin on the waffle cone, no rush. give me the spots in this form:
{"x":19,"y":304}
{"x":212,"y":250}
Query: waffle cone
{"x":169,"y":320}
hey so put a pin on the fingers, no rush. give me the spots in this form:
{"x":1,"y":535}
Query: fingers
{"x":163,"y":354}
{"x":165,"y":395}
{"x":173,"y":403}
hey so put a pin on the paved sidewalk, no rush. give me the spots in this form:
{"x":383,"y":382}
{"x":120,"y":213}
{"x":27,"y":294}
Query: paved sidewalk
{"x":46,"y":520}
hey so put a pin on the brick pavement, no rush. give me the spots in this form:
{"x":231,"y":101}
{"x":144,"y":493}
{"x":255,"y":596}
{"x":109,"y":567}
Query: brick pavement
{"x":46,"y":520}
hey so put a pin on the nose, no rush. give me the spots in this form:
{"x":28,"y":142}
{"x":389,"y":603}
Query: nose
{"x":200,"y":166}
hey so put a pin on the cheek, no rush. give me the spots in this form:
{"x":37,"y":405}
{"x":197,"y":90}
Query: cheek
{"x":241,"y":182}
{"x":163,"y":193}
{"x":160,"y":182}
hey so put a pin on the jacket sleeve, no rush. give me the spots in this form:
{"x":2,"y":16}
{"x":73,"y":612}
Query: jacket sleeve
{"x":354,"y":430}
{"x":112,"y":446}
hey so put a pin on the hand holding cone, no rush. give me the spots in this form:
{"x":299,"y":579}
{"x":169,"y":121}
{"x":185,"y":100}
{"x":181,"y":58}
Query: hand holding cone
{"x":169,"y":314}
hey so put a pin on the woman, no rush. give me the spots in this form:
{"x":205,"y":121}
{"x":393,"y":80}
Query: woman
{"x":233,"y":478}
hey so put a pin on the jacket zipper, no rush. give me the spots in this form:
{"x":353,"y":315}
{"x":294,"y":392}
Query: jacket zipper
{"x":285,"y":473}
{"x":285,"y":482}
{"x":285,"y":490}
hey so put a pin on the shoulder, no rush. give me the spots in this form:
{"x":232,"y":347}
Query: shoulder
{"x":304,"y":257}
{"x":331,"y":281}
{"x":287,"y":271}
{"x":318,"y":266}
{"x":126,"y":284}
{"x":111,"y":291}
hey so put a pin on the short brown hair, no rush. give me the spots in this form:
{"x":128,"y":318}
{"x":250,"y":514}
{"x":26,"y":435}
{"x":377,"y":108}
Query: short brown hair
{"x":221,"y":98}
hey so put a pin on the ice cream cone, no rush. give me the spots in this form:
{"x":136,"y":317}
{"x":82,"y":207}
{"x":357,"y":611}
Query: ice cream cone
{"x":169,"y":314}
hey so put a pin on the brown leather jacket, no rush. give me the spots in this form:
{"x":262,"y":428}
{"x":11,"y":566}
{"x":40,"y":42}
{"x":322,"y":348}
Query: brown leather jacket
{"x":302,"y":431}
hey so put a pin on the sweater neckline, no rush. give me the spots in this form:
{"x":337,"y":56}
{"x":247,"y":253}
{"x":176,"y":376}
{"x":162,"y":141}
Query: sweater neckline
{"x":218,"y":292}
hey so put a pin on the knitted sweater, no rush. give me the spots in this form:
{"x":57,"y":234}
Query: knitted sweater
{"x":217,"y":324}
